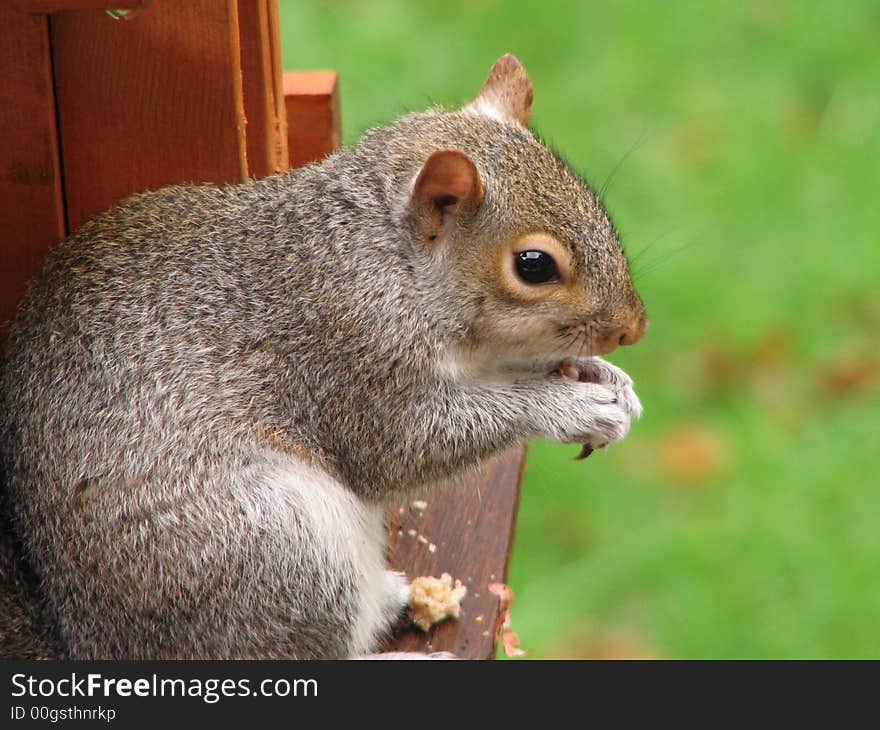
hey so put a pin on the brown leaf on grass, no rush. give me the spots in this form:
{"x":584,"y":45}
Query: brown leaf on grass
{"x":774,"y":351}
{"x":721,"y":368}
{"x":851,"y":373}
{"x":691,"y":453}
{"x":726,"y":367}
{"x":503,"y":633}
{"x":859,"y":310}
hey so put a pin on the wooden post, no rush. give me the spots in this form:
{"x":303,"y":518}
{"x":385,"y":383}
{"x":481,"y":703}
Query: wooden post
{"x":313,"y":128}
{"x":263,"y":89}
{"x":149,"y":101}
{"x":31,"y":209}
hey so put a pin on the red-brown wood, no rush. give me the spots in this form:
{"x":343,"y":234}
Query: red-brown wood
{"x":263,"y":95}
{"x":274,"y":40}
{"x":149,"y":101}
{"x":313,"y":128}
{"x":56,"y":6}
{"x":471,"y":524}
{"x":31,"y":210}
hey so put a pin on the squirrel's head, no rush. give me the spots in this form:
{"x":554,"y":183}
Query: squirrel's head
{"x":532,"y":254}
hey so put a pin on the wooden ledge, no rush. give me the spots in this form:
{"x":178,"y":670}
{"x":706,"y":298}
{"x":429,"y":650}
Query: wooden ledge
{"x":465,"y":530}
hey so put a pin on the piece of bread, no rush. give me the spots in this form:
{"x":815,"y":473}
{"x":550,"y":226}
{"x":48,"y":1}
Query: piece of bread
{"x":435,"y":599}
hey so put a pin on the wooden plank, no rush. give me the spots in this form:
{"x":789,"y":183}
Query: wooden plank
{"x":31,"y":210}
{"x":263,"y":93}
{"x":471,"y":523}
{"x":56,"y":6}
{"x":278,"y":83}
{"x":149,"y":101}
{"x":312,"y":101}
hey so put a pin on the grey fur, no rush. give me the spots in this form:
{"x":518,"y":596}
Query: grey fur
{"x":180,"y":349}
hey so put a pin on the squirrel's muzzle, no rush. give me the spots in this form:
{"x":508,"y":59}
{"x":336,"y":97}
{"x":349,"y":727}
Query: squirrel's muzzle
{"x":625,"y":334}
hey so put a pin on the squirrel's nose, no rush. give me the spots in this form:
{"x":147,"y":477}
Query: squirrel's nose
{"x":632,"y":334}
{"x":627,"y":334}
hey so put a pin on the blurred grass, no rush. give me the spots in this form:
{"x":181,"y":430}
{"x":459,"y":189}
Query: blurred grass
{"x":740,"y":518}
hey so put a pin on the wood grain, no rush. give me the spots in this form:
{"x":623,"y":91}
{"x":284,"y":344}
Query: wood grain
{"x":471,"y":523}
{"x":262,"y":85}
{"x":149,"y":101}
{"x":278,"y":82}
{"x":31,"y":209}
{"x":313,"y":115}
{"x":56,"y":6}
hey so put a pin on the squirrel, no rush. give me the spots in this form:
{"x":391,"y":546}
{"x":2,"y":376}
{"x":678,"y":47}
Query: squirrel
{"x":210,"y":394}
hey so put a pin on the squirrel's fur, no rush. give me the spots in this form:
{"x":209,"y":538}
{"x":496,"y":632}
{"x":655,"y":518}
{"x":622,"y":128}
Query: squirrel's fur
{"x":210,"y":394}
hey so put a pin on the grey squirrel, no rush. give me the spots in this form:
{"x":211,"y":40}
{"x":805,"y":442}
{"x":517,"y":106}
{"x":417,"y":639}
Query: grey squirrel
{"x":209,"y":395}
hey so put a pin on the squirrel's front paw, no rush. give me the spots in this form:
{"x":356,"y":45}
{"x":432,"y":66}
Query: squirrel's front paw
{"x":599,"y":371}
{"x":601,"y":403}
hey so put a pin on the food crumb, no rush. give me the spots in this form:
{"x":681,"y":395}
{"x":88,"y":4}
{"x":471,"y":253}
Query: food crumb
{"x":432,"y":548}
{"x":435,"y":599}
{"x":420,"y":505}
{"x":479,"y":619}
{"x":411,"y":533}
{"x":422,"y":540}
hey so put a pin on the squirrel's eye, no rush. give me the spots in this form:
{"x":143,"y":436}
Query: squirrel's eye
{"x":536,"y":267}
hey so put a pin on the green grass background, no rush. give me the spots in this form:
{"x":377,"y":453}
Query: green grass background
{"x":740,"y":518}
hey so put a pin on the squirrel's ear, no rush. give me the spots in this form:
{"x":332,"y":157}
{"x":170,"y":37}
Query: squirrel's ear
{"x":507,"y":94}
{"x":447,"y":186}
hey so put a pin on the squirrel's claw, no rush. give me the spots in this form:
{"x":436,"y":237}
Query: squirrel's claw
{"x":586,"y":450}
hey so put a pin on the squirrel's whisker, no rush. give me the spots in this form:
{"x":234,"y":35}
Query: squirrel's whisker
{"x":661,"y":259}
{"x":626,"y":155}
